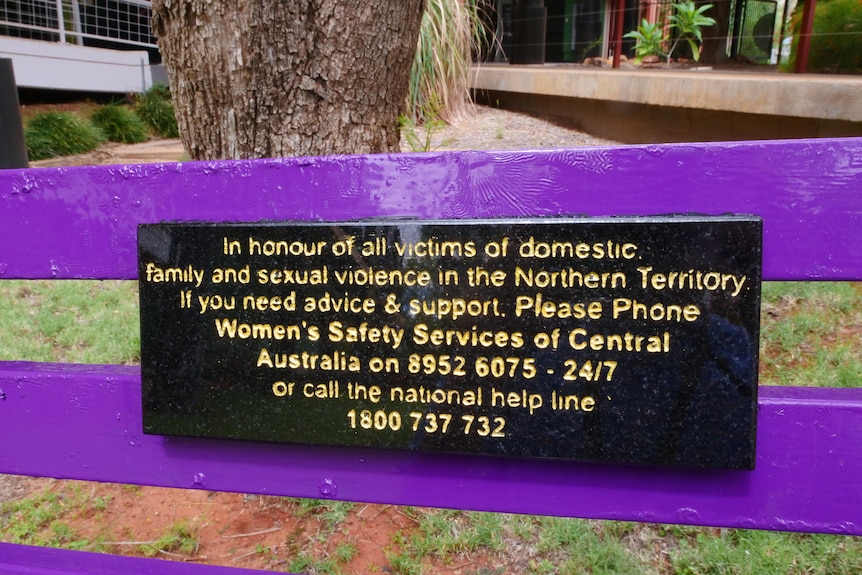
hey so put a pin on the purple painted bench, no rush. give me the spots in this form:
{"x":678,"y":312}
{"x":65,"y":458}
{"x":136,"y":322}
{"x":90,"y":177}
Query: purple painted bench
{"x":84,"y":421}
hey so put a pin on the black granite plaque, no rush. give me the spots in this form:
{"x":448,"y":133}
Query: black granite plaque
{"x":629,"y":340}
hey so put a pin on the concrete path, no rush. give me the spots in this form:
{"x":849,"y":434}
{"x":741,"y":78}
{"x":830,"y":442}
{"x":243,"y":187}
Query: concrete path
{"x":150,"y":152}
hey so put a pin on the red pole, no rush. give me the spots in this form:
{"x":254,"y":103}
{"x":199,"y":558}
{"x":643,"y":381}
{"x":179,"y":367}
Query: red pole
{"x":618,"y":31}
{"x":805,"y":36}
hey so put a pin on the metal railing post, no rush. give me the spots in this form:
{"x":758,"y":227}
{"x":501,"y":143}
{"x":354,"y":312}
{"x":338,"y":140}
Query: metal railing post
{"x":61,"y":22}
{"x":805,"y":32}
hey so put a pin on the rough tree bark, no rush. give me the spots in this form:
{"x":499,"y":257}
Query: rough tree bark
{"x":270,"y":78}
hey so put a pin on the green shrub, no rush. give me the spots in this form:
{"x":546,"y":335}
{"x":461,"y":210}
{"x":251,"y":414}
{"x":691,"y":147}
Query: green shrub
{"x":154,"y":107}
{"x":119,"y":124}
{"x":52,"y":134}
{"x":835,"y":45}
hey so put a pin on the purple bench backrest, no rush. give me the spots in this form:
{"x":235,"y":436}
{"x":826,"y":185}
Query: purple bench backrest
{"x":81,"y":223}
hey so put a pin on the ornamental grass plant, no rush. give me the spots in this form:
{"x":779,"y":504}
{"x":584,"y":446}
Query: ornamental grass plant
{"x":119,"y":124}
{"x":53,"y":134}
{"x":450,"y":32}
{"x":155,"y":109}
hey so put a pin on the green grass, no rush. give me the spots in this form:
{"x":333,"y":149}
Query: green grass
{"x":178,"y":539}
{"x":552,"y":545}
{"x":445,"y":532}
{"x":70,"y":321}
{"x":52,"y":134}
{"x":810,"y":334}
{"x":331,"y":513}
{"x":404,"y":564}
{"x":312,"y":553}
{"x":345,"y":552}
{"x":420,"y":139}
{"x":568,"y":545}
{"x":741,"y":552}
{"x":39,"y":520}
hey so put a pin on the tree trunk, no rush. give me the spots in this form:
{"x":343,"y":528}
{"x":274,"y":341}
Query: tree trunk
{"x":270,"y":78}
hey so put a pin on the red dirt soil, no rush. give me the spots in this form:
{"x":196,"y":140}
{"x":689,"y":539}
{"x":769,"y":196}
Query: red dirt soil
{"x":249,"y":531}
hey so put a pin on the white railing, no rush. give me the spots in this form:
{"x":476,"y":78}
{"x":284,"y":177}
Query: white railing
{"x":121,"y":24}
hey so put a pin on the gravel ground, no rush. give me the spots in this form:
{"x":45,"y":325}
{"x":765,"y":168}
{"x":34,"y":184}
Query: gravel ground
{"x":495,"y":129}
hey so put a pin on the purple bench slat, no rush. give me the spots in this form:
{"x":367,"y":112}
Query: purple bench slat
{"x":21,"y":559}
{"x":84,"y":422}
{"x":80,"y":222}
{"x":89,"y":427}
